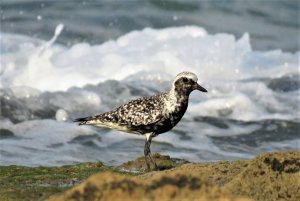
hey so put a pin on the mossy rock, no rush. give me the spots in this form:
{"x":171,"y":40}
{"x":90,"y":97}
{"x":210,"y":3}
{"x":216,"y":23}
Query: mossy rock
{"x":270,"y":177}
{"x":163,"y":163}
{"x":38,"y":183}
{"x":115,"y":187}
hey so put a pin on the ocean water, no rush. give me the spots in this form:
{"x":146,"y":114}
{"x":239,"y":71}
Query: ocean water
{"x":70,"y":59}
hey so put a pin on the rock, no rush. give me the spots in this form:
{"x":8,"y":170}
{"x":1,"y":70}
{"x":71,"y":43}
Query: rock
{"x":285,"y":83}
{"x":271,"y":176}
{"x":163,"y":163}
{"x":5,"y":133}
{"x":109,"y":186}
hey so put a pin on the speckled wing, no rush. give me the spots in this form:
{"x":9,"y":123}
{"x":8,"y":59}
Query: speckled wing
{"x":142,"y":111}
{"x":139,"y":112}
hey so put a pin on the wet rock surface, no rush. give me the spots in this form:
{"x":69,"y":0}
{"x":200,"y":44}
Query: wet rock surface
{"x":163,"y":163}
{"x":271,"y":176}
{"x":5,"y":133}
{"x":267,"y":177}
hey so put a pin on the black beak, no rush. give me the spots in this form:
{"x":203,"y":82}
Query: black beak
{"x":200,"y":88}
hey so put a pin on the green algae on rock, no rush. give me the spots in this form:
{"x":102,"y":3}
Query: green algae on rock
{"x":38,"y":183}
{"x":115,"y":187}
{"x":271,"y":176}
{"x":163,"y":163}
{"x":267,"y":177}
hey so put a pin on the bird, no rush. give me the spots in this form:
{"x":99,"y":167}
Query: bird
{"x":150,"y":116}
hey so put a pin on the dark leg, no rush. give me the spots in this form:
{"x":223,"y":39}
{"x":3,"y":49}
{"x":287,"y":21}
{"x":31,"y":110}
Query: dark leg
{"x":147,"y":153}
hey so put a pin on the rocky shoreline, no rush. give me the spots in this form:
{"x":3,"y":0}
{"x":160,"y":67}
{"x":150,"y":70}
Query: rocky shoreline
{"x":269,"y":176}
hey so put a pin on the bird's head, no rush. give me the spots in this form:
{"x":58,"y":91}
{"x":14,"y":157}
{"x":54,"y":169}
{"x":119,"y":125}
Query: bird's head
{"x":186,"y":82}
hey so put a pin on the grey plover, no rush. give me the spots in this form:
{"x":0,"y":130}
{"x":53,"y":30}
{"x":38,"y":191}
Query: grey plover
{"x":150,"y":116}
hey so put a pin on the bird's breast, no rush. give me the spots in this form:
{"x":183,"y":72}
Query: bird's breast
{"x":170,"y":119}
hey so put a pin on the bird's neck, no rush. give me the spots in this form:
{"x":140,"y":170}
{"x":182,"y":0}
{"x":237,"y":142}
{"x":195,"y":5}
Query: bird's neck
{"x":177,"y":101}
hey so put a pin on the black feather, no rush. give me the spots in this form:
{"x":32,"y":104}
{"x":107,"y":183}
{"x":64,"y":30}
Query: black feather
{"x":83,"y":120}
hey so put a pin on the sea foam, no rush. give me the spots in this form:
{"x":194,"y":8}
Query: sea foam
{"x":49,"y":67}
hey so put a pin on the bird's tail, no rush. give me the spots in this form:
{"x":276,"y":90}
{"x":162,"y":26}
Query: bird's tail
{"x":85,"y":120}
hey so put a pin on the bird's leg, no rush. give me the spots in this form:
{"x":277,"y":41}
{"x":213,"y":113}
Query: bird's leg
{"x":147,"y":152}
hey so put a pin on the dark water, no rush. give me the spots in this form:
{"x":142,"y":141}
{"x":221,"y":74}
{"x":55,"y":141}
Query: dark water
{"x":272,"y":24}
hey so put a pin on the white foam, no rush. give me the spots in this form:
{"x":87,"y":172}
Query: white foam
{"x":170,"y":50}
{"x":61,"y":115}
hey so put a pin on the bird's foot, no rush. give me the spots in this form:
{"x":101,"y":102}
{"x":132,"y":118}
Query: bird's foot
{"x":148,"y":160}
{"x":153,"y":163}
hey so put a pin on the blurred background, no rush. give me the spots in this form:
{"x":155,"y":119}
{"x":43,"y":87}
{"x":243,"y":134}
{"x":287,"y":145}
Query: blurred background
{"x":61,"y":60}
{"x":272,"y":24}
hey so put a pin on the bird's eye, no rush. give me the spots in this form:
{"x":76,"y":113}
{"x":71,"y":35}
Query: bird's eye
{"x":185,"y":80}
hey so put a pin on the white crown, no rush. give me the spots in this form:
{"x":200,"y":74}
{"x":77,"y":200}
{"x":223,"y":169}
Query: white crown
{"x":187,"y":75}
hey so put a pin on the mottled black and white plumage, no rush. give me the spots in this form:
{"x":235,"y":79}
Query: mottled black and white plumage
{"x":150,"y":116}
